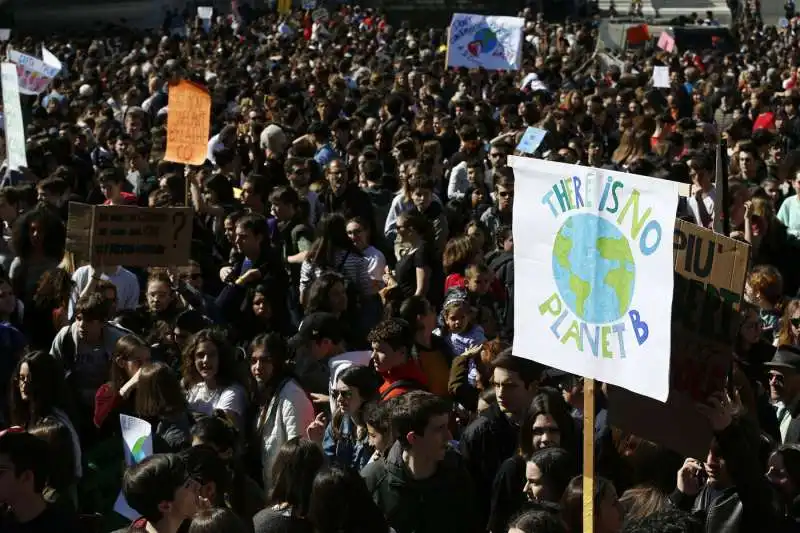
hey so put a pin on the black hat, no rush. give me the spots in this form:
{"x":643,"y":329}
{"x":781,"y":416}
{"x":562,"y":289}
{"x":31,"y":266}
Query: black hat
{"x":317,"y":326}
{"x":786,"y":356}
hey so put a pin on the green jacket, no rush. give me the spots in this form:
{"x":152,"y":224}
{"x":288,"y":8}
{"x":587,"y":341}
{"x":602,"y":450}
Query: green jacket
{"x":444,"y":502}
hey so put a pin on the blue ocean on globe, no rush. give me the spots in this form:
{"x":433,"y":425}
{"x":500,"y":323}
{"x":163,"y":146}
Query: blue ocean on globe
{"x":487,"y":38}
{"x":593,"y":268}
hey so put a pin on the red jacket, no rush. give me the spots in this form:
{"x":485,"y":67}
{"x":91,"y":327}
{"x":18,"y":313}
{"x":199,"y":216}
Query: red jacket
{"x":128,"y":198}
{"x":409,"y":371}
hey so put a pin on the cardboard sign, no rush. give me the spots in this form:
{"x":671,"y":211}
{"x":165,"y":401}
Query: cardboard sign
{"x":12,"y":116}
{"x":710,"y":271}
{"x":130,"y":236}
{"x":188,"y":123}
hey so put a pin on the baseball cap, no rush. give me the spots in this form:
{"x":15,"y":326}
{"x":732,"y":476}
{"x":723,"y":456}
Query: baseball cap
{"x":786,"y":356}
{"x":317,"y":326}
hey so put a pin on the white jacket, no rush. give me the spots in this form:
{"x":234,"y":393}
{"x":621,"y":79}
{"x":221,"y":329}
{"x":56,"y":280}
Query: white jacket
{"x":287,"y":416}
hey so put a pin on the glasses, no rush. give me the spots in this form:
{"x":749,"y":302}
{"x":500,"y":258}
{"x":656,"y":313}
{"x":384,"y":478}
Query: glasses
{"x":505,"y":194}
{"x":795,"y":322}
{"x":344,"y":394}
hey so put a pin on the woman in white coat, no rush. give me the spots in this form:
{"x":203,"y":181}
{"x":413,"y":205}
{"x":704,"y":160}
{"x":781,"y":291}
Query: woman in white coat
{"x":284,"y":409}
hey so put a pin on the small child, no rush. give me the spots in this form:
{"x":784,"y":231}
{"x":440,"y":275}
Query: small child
{"x":460,"y":330}
{"x":478,"y":283}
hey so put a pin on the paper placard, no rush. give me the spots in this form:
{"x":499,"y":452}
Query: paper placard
{"x":710,"y":271}
{"x":666,"y":42}
{"x":205,"y":12}
{"x":34,"y":74}
{"x":661,"y":77}
{"x":531,"y":140}
{"x":593,"y":259}
{"x":188,"y":123}
{"x":309,"y":4}
{"x":130,"y":236}
{"x":5,"y":34}
{"x":12,"y":117}
{"x":493,"y":43}
{"x":137,"y":437}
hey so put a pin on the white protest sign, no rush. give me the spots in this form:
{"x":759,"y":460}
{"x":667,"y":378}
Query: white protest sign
{"x":50,"y":59}
{"x":137,"y":436}
{"x":205,"y":12}
{"x":594,"y":262}
{"x":309,"y":4}
{"x":5,"y":34}
{"x":661,"y":77}
{"x":494,"y":43}
{"x":34,"y":74}
{"x":15,"y":130}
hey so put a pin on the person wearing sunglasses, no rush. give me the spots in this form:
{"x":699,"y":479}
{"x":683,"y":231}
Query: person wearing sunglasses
{"x":345,"y":439}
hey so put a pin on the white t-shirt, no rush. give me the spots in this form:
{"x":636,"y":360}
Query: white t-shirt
{"x":203,"y":400}
{"x":124,"y":280}
{"x":341,"y":362}
{"x":708,"y":201}
{"x":376,"y":263}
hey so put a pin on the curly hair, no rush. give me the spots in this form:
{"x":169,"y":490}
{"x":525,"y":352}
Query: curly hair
{"x":53,"y":233}
{"x":54,"y":289}
{"x":766,"y":281}
{"x":226,"y":369}
{"x":395,"y":332}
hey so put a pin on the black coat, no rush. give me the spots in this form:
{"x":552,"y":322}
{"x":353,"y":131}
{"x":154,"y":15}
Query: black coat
{"x":443,"y":502}
{"x":488,"y":441}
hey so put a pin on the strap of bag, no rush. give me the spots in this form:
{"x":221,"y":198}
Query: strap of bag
{"x":705,"y":217}
{"x":404,"y":383}
{"x":342,"y":262}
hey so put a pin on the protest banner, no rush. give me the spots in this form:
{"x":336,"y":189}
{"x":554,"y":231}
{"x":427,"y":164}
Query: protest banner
{"x":129,"y":236}
{"x":12,"y":116}
{"x":493,"y":43}
{"x":603,"y":270}
{"x":137,"y":437}
{"x":188,"y":123}
{"x":710,"y":271}
{"x":34,"y":74}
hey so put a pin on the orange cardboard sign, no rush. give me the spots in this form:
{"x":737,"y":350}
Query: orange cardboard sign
{"x":188,"y":123}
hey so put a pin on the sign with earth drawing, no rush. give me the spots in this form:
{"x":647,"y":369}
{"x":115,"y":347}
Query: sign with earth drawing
{"x":493,"y":43}
{"x":593,"y":256}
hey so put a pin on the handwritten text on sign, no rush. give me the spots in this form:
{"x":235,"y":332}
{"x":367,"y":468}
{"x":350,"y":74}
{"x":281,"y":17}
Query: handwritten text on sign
{"x":130,"y":236}
{"x":188,"y":122}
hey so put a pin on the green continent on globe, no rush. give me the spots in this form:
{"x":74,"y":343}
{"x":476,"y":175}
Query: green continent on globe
{"x":563,"y":246}
{"x":581,"y":290}
{"x":620,"y":279}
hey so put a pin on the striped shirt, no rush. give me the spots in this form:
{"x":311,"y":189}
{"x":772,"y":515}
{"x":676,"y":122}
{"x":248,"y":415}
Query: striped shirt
{"x":354,"y":267}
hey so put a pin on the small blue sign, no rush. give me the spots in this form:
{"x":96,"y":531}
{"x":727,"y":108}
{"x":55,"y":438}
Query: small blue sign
{"x":531,"y":140}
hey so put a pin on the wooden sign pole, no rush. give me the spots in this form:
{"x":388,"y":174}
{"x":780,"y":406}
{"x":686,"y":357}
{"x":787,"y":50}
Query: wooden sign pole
{"x":588,"y":455}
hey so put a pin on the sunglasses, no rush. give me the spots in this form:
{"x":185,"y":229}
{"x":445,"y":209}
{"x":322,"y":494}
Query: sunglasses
{"x":795,"y":322}
{"x":345,"y":394}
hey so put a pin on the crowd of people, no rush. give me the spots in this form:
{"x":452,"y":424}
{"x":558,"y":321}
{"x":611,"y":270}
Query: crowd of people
{"x":335,"y":356}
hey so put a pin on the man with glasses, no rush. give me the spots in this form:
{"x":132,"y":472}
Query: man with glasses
{"x":500,"y":213}
{"x":784,"y":391}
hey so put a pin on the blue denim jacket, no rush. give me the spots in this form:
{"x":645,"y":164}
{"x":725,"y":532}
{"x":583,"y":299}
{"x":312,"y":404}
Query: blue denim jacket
{"x":346,"y":452}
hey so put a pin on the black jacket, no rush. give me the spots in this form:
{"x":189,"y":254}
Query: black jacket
{"x":444,"y":502}
{"x":503,"y":267}
{"x":488,"y":441}
{"x":749,"y":504}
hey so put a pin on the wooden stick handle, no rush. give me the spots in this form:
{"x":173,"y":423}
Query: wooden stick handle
{"x":588,"y":455}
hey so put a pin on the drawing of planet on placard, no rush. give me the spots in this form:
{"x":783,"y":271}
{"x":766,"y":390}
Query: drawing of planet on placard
{"x":137,"y":451}
{"x":484,"y":41}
